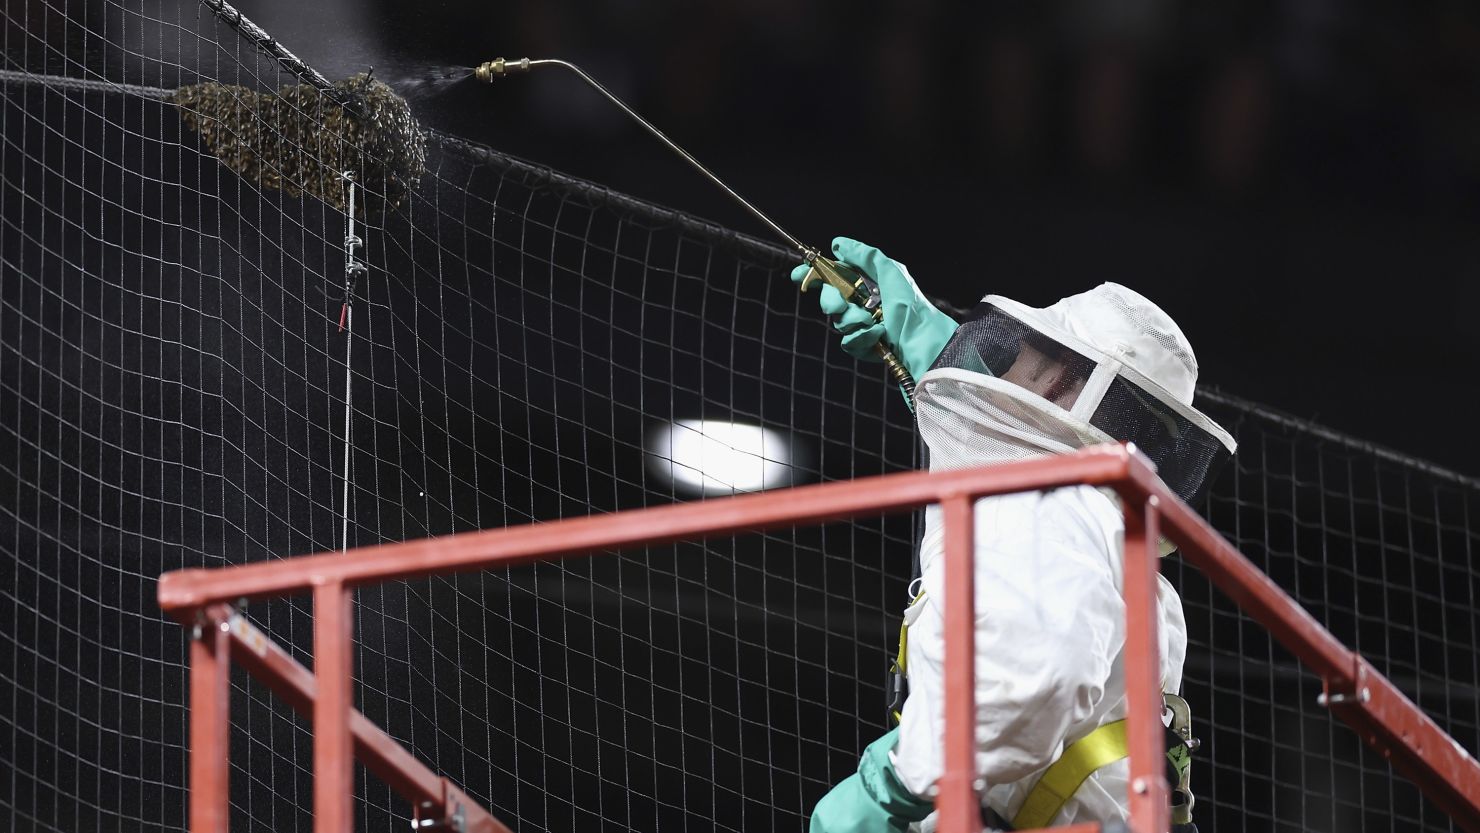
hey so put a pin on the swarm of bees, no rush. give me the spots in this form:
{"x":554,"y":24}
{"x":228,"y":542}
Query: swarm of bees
{"x":302,"y":139}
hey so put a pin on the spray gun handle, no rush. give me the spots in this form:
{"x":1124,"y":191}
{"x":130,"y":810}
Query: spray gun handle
{"x":858,"y":288}
{"x":848,"y":280}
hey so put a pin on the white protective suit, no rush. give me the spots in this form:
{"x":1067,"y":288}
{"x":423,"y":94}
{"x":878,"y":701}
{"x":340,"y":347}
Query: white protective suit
{"x":1050,"y":616}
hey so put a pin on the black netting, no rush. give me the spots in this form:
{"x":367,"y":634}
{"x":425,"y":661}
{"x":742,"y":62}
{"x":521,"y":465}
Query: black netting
{"x":1383,"y":552}
{"x":174,"y":387}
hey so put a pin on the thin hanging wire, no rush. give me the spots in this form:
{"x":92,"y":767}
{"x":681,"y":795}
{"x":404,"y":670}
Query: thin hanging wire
{"x":66,"y":82}
{"x":353,"y":268}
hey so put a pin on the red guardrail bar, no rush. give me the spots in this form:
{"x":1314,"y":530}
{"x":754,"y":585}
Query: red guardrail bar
{"x":181,"y":591}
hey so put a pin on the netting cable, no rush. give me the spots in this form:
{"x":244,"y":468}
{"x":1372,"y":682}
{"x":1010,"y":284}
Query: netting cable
{"x":1321,"y":432}
{"x":270,"y":46}
{"x":353,"y":268}
{"x":67,"y":82}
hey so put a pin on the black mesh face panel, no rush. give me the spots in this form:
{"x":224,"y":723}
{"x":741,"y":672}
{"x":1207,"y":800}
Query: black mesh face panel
{"x":986,"y":342}
{"x":1186,"y":456}
{"x":994,"y":343}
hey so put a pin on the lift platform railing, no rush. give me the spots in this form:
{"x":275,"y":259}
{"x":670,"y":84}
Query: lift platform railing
{"x":203,"y":599}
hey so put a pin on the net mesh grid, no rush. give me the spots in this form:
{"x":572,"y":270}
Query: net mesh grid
{"x":173,"y":389}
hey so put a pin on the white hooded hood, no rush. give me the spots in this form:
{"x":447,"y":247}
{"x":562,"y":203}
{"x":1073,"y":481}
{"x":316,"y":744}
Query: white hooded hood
{"x":1101,"y":366}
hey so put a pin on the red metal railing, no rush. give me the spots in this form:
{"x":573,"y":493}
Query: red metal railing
{"x":201,"y":599}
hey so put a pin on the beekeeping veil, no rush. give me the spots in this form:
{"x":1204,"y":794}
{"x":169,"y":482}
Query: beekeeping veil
{"x":1101,"y":366}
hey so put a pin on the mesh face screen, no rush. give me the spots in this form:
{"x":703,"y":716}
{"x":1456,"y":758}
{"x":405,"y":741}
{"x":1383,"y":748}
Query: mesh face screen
{"x":1186,"y":456}
{"x":994,"y":343}
{"x":173,"y":393}
{"x":987,"y":342}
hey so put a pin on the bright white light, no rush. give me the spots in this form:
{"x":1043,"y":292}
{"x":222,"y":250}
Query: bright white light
{"x":713,"y":457}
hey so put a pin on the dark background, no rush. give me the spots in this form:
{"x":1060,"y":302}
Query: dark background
{"x":1298,"y":183}
{"x":172,"y":374}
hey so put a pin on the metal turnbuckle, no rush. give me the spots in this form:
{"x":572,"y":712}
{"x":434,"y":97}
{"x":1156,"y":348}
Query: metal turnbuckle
{"x":454,"y":822}
{"x":1362,"y":695}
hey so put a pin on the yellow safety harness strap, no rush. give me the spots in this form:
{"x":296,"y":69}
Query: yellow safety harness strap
{"x":900,"y":659}
{"x":899,"y":670}
{"x":1103,"y":746}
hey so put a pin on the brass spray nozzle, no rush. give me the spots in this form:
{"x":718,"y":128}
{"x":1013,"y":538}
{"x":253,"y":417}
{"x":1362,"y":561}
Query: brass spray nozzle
{"x":498,"y":67}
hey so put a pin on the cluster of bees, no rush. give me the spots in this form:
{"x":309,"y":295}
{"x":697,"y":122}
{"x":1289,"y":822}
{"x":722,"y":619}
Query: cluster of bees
{"x":302,"y":139}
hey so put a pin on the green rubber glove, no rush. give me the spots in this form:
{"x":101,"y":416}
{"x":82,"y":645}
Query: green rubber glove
{"x":915,"y":329}
{"x":871,"y":800}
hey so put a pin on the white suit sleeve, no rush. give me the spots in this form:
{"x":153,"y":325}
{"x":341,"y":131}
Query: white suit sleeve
{"x":1050,"y":623}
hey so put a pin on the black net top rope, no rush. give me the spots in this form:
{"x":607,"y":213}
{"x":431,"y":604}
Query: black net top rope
{"x":1321,"y":432}
{"x":595,"y":195}
{"x":87,"y":85}
{"x":269,"y":46}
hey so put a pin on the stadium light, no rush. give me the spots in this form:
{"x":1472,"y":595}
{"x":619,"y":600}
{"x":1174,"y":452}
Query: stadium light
{"x":714,"y":457}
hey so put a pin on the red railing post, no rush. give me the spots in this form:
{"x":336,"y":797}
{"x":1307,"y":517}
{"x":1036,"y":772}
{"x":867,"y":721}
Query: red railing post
{"x":210,"y":722}
{"x":333,"y":744}
{"x":1149,"y":791}
{"x":957,"y":800}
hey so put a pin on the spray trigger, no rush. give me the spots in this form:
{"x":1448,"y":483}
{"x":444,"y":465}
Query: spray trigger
{"x":850,"y":282}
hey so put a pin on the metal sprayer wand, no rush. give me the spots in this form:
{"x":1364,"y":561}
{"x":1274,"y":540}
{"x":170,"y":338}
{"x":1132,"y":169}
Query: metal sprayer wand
{"x":852,"y":284}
